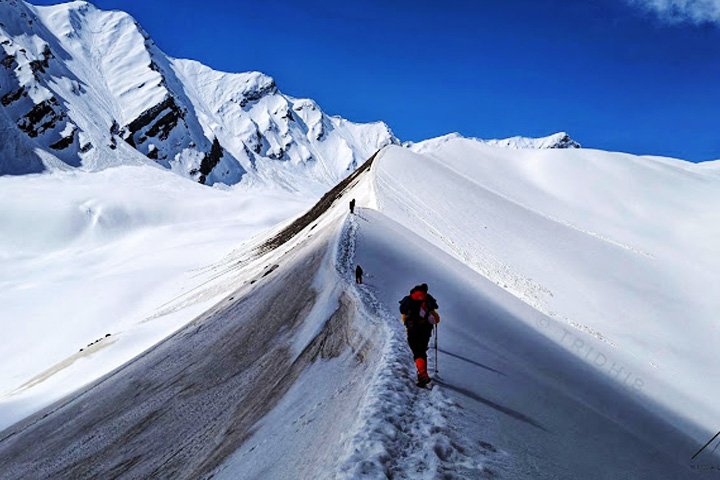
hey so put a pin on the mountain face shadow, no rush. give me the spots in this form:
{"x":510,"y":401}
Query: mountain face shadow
{"x":473,"y":362}
{"x":500,"y":408}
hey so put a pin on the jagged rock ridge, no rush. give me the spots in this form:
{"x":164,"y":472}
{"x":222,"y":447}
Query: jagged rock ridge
{"x":82,"y":87}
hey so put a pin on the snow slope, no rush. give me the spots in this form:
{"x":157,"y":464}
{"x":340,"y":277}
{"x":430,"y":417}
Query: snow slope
{"x":557,"y":358}
{"x":85,"y":88}
{"x":615,"y":246}
{"x":617,"y":251}
{"x":117,"y":252}
{"x":286,"y":326}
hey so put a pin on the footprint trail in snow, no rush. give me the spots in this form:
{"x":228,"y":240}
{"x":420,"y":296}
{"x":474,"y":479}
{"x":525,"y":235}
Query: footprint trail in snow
{"x":403,"y":431}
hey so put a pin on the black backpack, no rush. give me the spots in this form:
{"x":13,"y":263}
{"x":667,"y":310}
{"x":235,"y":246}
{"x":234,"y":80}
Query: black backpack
{"x":412,"y":310}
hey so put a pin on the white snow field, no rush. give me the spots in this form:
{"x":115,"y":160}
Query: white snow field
{"x":576,"y":289}
{"x":117,"y":252}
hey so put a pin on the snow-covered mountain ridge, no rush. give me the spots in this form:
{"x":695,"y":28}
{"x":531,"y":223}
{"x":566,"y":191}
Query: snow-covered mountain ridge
{"x":558,"y":140}
{"x":82,"y":87}
{"x":86,"y":88}
{"x":578,"y":327}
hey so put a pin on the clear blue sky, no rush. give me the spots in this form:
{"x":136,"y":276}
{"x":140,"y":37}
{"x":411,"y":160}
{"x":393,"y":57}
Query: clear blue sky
{"x":614,"y":76}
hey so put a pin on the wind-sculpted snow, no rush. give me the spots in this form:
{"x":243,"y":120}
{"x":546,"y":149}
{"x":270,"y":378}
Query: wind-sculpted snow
{"x":526,"y":405}
{"x":592,"y":240}
{"x":191,"y":401}
{"x":81,"y":84}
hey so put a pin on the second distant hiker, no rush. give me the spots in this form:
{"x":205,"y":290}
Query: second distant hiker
{"x":352,"y":206}
{"x":358,"y":274}
{"x":419,"y":314}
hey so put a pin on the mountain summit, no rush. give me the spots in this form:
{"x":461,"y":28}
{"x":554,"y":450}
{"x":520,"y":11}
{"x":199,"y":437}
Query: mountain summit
{"x":558,"y":140}
{"x":82,"y":87}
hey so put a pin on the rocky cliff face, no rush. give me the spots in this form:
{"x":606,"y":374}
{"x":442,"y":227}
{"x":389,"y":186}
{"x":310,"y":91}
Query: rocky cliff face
{"x":85,"y":88}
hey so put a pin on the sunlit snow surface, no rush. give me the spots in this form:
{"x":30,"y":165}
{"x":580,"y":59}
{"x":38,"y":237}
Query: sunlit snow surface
{"x":87,"y":254}
{"x":575,"y":288}
{"x":578,"y":328}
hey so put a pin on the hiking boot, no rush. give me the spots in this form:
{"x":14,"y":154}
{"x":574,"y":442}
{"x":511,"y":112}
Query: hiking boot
{"x":423,"y":381}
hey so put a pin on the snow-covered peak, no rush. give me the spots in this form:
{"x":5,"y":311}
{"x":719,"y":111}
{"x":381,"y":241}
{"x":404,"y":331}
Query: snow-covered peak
{"x":86,"y":88}
{"x":557,"y":140}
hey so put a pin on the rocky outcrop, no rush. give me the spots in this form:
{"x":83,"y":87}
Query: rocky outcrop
{"x":66,"y":141}
{"x":258,"y":93}
{"x":43,"y":116}
{"x":210,"y":161}
{"x":80,"y":83}
{"x":155,"y":122}
{"x":564,"y":141}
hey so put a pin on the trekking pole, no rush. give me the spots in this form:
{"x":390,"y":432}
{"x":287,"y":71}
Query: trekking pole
{"x":704,"y":446}
{"x":436,"y":334}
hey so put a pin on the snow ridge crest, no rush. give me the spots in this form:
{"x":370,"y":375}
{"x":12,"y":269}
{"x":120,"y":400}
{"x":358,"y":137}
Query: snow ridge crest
{"x":90,"y":89}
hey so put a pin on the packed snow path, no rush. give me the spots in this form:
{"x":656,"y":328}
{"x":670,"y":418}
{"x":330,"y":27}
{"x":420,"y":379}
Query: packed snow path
{"x":403,"y":431}
{"x":188,"y":404}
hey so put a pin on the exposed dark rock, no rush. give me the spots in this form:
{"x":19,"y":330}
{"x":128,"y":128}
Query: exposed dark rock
{"x":164,"y":126}
{"x":211,"y":160}
{"x":11,"y":97}
{"x":42,"y":117}
{"x":279,"y":155}
{"x":9,"y":61}
{"x":314,"y":213}
{"x":40,"y":65}
{"x":250,"y":156}
{"x":169,"y":115}
{"x":272,"y":269}
{"x":566,"y":142}
{"x":255,"y":95}
{"x":288,"y":116}
{"x":321,"y":133}
{"x":64,"y":142}
{"x":78,"y":88}
{"x":86,"y":148}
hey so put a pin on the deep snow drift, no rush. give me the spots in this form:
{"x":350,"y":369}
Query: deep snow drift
{"x":576,"y":341}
